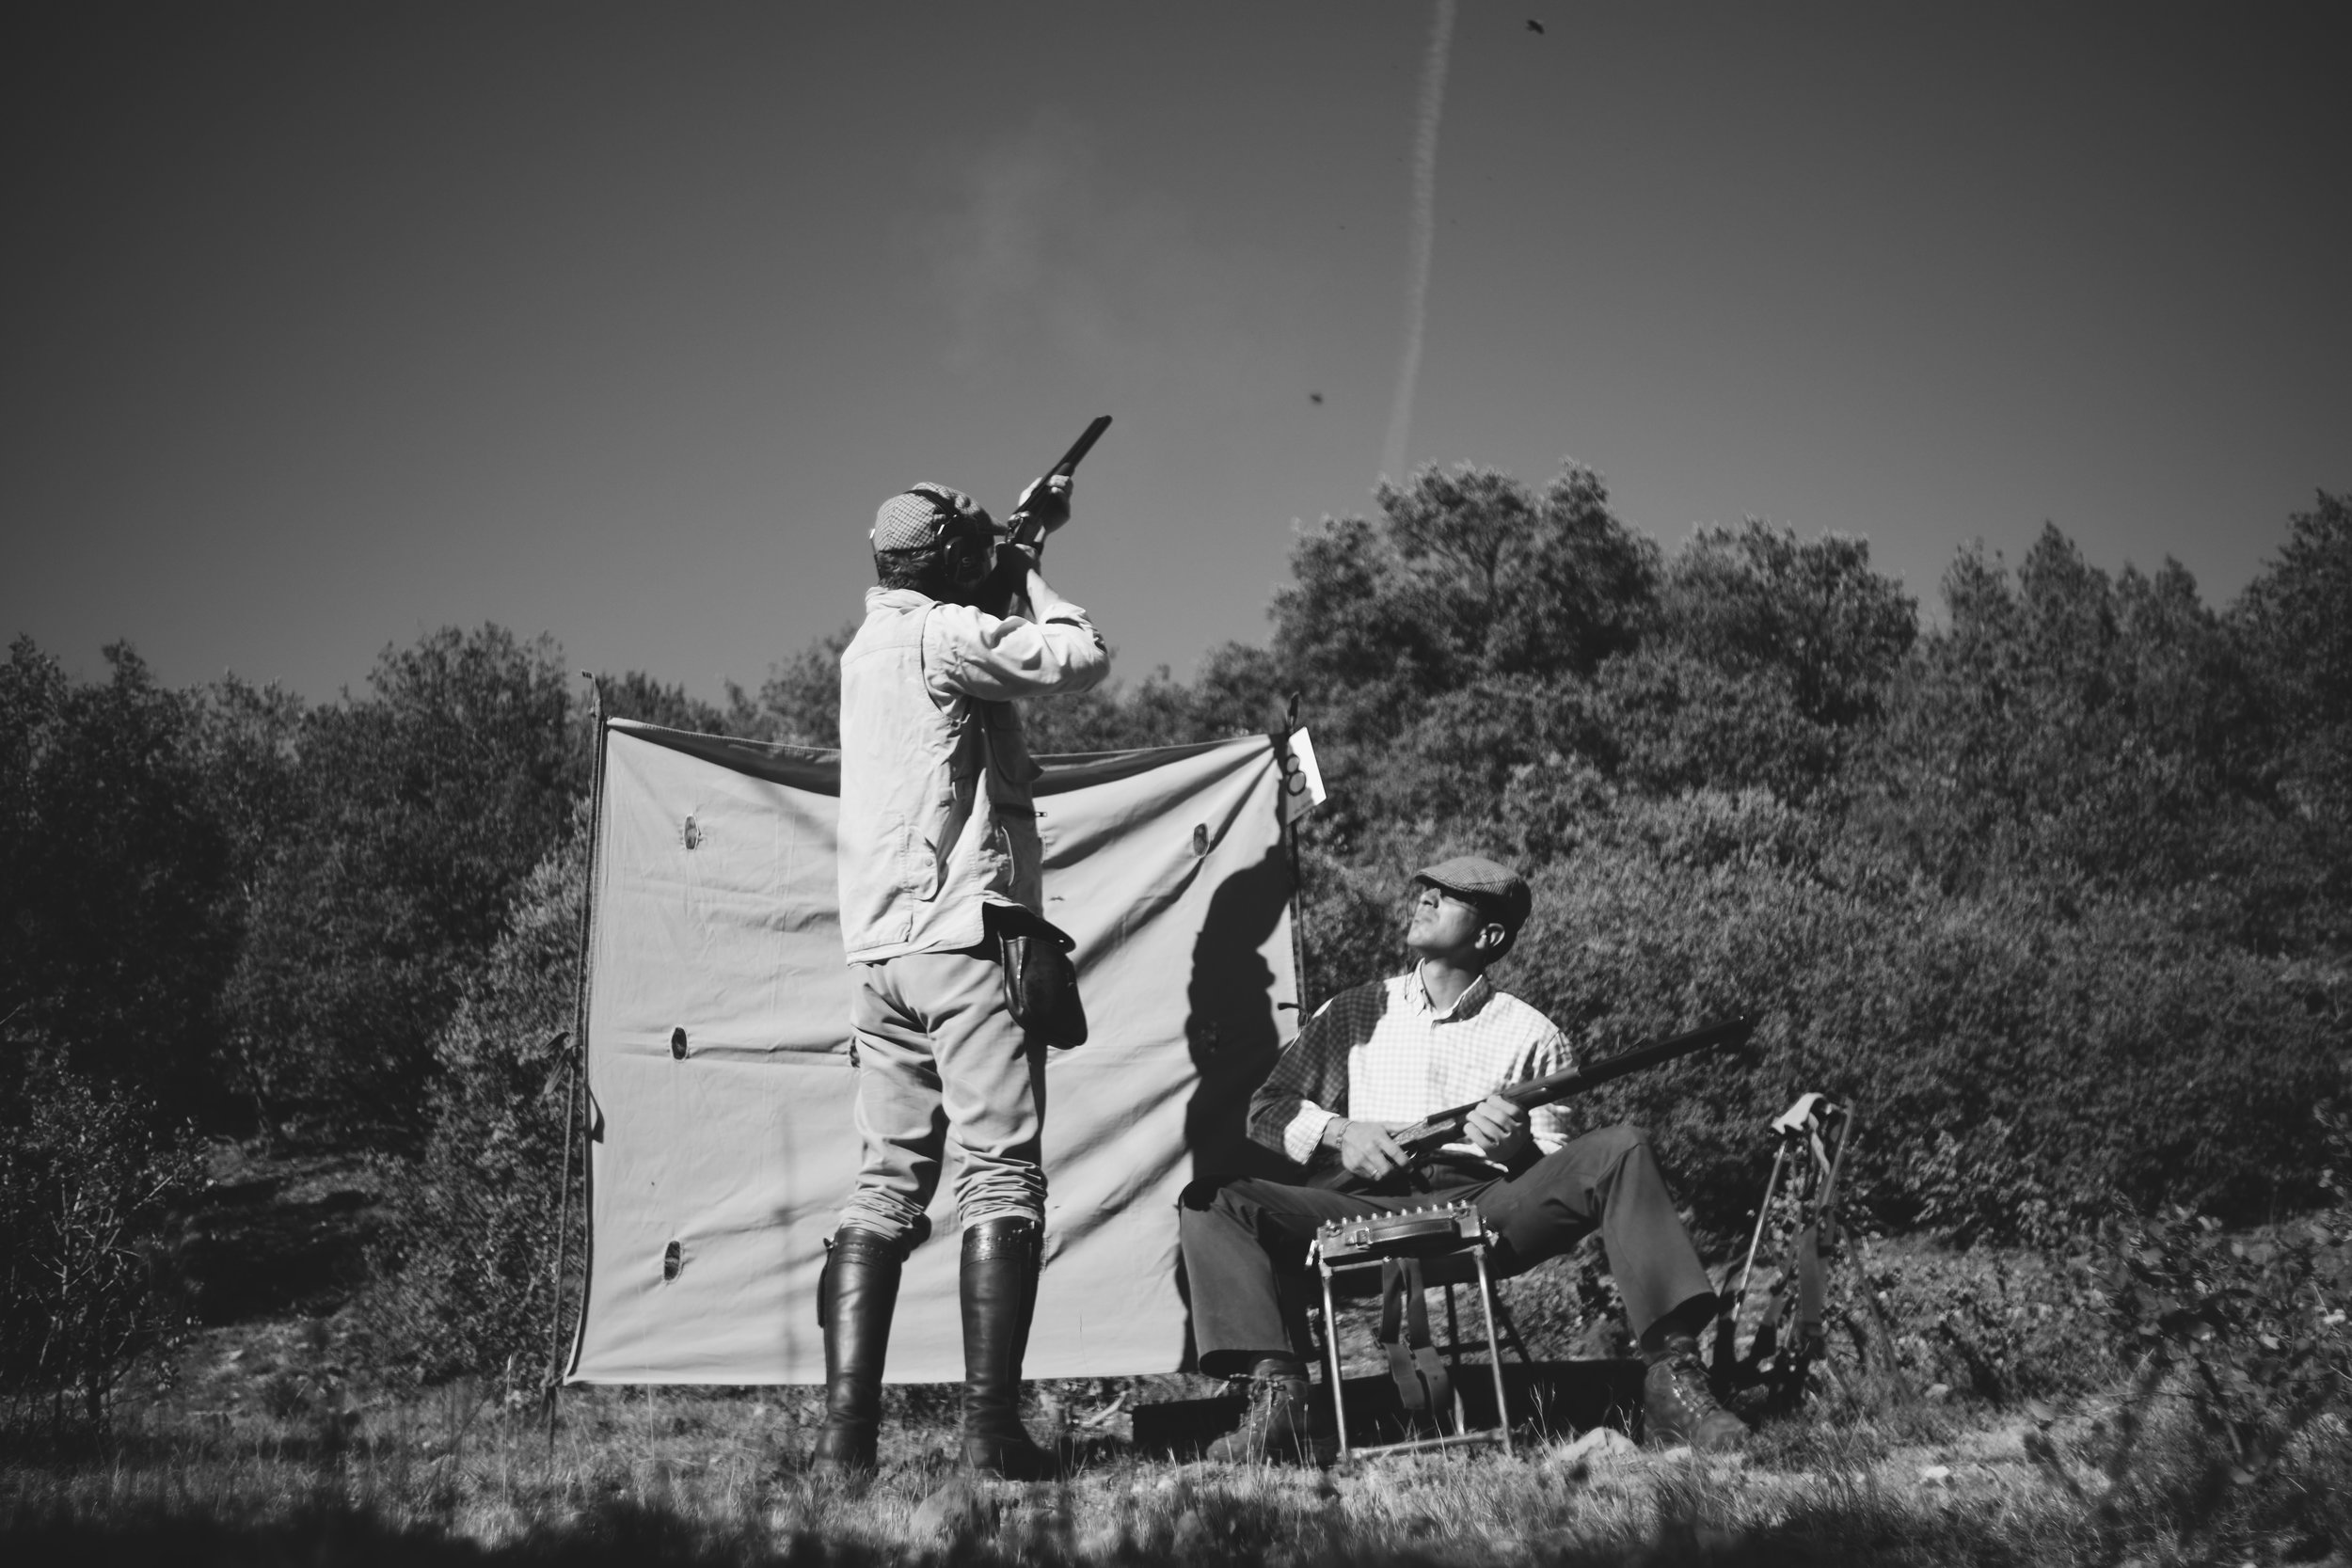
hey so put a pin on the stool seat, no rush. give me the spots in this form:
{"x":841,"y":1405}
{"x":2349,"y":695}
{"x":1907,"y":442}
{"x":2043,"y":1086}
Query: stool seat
{"x":1444,"y":1245}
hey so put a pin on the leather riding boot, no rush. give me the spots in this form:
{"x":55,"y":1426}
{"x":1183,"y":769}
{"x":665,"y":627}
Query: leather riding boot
{"x":855,"y":1297}
{"x":998,"y":1286}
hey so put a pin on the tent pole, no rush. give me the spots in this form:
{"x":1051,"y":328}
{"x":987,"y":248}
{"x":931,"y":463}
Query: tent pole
{"x":1288,"y":768}
{"x":563,"y":1234}
{"x":576,"y":1099}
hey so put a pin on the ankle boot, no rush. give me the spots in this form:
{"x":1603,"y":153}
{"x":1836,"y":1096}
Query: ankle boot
{"x":855,"y":1296}
{"x":999,"y":1294}
{"x":1282,"y":1422}
{"x":1677,"y":1404}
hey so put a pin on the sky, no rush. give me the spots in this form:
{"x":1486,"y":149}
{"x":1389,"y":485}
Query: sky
{"x":321,"y":327}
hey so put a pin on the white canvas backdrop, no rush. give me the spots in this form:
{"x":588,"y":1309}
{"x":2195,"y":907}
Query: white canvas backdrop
{"x":722,"y":1145}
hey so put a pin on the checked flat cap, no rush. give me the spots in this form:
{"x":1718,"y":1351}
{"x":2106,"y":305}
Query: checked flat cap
{"x":1496,"y":889}
{"x":914,"y":518}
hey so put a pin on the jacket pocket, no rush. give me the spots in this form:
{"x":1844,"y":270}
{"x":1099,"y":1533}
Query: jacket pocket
{"x":952,"y":818}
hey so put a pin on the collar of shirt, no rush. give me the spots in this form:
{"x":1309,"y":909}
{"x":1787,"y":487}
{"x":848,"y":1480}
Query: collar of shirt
{"x":1465,"y":1005}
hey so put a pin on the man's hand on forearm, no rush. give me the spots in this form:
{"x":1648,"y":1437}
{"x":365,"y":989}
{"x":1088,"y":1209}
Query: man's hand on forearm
{"x":1366,"y":1150}
{"x":1500,"y":1129}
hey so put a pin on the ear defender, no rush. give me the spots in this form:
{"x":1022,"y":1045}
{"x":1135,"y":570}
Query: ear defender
{"x":967,"y":543}
{"x":970,"y":556}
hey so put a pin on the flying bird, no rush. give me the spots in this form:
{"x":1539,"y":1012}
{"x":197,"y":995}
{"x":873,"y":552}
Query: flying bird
{"x":1314,"y":397}
{"x":1533,"y":26}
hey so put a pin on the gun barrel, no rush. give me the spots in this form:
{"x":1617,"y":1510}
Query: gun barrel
{"x":1021,"y":527}
{"x":1730,"y":1031}
{"x":1078,"y":448}
{"x":1441,"y":1127}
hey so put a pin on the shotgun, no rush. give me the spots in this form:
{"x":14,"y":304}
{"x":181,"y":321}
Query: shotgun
{"x":1002,"y":590}
{"x":1440,"y":1127}
{"x":1026,"y":527}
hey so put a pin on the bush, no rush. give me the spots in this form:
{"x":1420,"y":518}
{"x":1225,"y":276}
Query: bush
{"x":420,"y":810}
{"x":2255,"y":1324}
{"x":467,"y":1284}
{"x":2023,"y":1064}
{"x":2001,"y":1325}
{"x":115,"y":883}
{"x":88,"y":1196}
{"x":2049,"y":891}
{"x":2230,"y":1439}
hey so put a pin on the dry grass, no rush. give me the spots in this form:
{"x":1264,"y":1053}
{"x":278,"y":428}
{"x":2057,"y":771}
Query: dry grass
{"x":673,"y":1476}
{"x":263,"y":1452}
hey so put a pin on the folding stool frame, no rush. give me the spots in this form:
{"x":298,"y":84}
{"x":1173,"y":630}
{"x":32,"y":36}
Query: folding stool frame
{"x":1475,"y":1248}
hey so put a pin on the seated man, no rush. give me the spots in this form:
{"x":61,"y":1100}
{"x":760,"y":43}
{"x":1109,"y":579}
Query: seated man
{"x":1380,"y":1057}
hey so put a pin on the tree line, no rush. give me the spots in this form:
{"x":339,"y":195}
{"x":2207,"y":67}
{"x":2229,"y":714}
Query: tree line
{"x":2057,"y":883}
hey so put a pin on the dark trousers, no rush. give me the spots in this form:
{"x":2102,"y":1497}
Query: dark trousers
{"x":1246,"y":1245}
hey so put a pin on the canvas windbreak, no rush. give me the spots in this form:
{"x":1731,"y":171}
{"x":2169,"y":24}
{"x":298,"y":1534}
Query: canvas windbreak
{"x":721,"y":1141}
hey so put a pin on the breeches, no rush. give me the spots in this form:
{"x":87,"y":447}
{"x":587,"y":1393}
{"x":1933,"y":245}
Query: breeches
{"x":1246,"y":1248}
{"x":941,"y":1065}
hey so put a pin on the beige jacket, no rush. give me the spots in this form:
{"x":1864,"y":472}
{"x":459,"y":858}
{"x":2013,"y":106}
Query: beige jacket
{"x":927,"y":715}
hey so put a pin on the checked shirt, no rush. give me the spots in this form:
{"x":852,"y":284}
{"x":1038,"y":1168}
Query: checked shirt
{"x":1383,"y":1052}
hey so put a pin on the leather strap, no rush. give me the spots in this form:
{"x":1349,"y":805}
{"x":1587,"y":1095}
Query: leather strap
{"x":1423,"y":1386}
{"x":1410,"y":1392}
{"x":1812,"y":1286}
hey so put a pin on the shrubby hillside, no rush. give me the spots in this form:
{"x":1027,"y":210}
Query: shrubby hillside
{"x":2053,"y":884}
{"x":2055,"y":879}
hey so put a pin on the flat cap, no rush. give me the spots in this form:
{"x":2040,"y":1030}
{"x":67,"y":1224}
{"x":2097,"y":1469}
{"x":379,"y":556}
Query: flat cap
{"x":1496,"y":889}
{"x":914,"y":518}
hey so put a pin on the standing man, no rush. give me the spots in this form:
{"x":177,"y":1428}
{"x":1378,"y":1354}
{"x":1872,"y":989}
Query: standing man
{"x":939,"y":856}
{"x":1380,"y":1057}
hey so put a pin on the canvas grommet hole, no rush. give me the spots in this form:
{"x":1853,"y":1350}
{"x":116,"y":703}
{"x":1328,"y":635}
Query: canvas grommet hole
{"x":673,"y":1259}
{"x":678,"y":1044}
{"x":1200,"y":839}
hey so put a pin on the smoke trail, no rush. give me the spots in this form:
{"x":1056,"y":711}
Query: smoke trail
{"x":1423,"y":239}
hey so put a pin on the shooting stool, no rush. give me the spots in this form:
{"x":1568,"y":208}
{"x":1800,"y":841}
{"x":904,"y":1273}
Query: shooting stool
{"x":1443,"y":1244}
